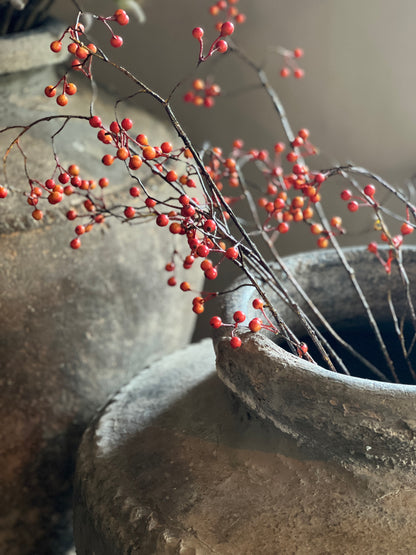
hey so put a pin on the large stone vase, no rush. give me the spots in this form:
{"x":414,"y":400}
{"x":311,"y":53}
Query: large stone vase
{"x":357,"y":419}
{"x":74,"y":325}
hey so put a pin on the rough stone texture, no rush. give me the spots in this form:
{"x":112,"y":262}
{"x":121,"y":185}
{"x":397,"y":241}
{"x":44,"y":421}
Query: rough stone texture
{"x":174,"y":464}
{"x":352,"y":419}
{"x":75,"y":325}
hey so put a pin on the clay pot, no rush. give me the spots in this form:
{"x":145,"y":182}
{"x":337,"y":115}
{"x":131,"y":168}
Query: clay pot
{"x":74,"y":325}
{"x":353,"y":419}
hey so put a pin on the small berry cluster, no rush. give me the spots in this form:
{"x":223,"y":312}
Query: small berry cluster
{"x":290,"y":65}
{"x":229,"y":9}
{"x":218,"y":45}
{"x":255,"y":325}
{"x":366,"y":198}
{"x":203,"y":93}
{"x":120,"y":17}
{"x":281,"y":208}
{"x":82,"y":54}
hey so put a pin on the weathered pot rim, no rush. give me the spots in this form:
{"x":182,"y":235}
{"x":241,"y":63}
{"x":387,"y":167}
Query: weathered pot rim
{"x":272,"y":350}
{"x":298,"y":365}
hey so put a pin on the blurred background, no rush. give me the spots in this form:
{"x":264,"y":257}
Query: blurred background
{"x":357,"y":96}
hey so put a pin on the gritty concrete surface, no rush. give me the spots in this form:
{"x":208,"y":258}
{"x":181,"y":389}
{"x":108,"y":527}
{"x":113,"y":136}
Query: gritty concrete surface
{"x":174,"y":464}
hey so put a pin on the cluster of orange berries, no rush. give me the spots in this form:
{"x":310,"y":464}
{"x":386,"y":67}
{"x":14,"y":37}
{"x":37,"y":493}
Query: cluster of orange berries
{"x":290,"y":65}
{"x":218,"y":45}
{"x":203,"y":93}
{"x":82,"y":54}
{"x":229,"y":9}
{"x":68,"y":182}
{"x":366,"y":198}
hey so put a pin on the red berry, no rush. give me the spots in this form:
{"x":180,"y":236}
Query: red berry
{"x":95,"y":121}
{"x":298,"y":52}
{"x":210,"y":226}
{"x":316,"y":229}
{"x":37,"y":214}
{"x":116,"y":41}
{"x":369,"y":190}
{"x":107,"y":159}
{"x":50,"y":91}
{"x":135,"y":162}
{"x":211,"y":273}
{"x":121,"y":17}
{"x":166,"y":147}
{"x":198,"y":33}
{"x":255,"y":324}
{"x":298,"y":141}
{"x":320,"y":178}
{"x":103,"y":182}
{"x":3,"y":192}
{"x":172,"y":281}
{"x":232,"y":253}
{"x":346,"y":194}
{"x":80,"y":230}
{"x":235,"y":342}
{"x":129,"y":212}
{"x":372,"y":247}
{"x":406,"y":228}
{"x":55,"y":197}
{"x":185,"y":286}
{"x":283,"y":227}
{"x":171,"y":176}
{"x":114,"y":127}
{"x":298,"y":73}
{"x":71,"y":215}
{"x":122,"y":153}
{"x":227,"y":28}
{"x":56,"y":46}
{"x":221,"y":46}
{"x":149,"y":153}
{"x":62,"y":100}
{"x":206,"y":264}
{"x":323,"y":242}
{"x":162,"y":220}
{"x":134,"y":191}
{"x":82,"y":53}
{"x":75,"y":243}
{"x":257,"y":304}
{"x":198,"y":308}
{"x":188,"y":211}
{"x":353,"y":206}
{"x":216,"y":322}
{"x":73,"y":170}
{"x":150,"y":203}
{"x":284,"y":72}
{"x":127,"y":124}
{"x":239,"y":316}
{"x":202,"y":251}
{"x":142,"y":139}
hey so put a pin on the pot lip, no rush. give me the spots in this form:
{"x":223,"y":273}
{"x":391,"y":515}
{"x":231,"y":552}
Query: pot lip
{"x":30,"y":49}
{"x":270,"y":350}
{"x":276,"y":352}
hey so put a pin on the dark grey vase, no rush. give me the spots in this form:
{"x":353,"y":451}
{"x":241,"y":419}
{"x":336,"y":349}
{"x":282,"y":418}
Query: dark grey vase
{"x":354,"y":420}
{"x":74,"y":325}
